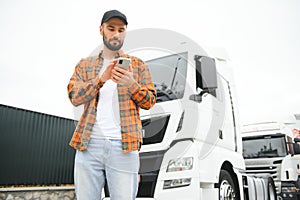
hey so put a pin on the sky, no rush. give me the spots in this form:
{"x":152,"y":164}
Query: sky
{"x":41,"y":42}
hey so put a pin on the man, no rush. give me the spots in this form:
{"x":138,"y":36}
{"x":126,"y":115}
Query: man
{"x":108,"y":135}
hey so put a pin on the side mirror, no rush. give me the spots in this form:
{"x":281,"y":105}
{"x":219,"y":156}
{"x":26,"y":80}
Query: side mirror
{"x":206,"y":74}
{"x":296,"y":147}
{"x":296,"y":140}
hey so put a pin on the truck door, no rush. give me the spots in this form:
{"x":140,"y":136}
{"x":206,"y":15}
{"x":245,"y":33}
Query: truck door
{"x":210,"y":103}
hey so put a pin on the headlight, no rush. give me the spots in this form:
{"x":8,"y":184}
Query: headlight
{"x":289,"y":189}
{"x":180,"y":164}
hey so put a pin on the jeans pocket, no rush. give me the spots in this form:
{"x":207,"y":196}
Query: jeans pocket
{"x":117,"y":144}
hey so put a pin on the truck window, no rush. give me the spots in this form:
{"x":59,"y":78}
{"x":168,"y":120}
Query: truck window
{"x":169,"y":76}
{"x":264,"y":146}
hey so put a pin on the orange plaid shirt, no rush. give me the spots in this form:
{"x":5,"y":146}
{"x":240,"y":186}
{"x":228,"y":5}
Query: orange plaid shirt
{"x":84,"y":87}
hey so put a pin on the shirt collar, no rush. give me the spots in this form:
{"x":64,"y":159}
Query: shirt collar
{"x":119,"y":54}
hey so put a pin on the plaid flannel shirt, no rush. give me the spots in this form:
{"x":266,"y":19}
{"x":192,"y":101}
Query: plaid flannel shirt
{"x":84,"y":88}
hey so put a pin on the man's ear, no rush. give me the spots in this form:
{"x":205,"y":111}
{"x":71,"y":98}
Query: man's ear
{"x":101,"y":30}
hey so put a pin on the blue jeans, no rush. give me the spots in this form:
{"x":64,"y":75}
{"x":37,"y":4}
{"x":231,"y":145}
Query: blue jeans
{"x":105,"y":159}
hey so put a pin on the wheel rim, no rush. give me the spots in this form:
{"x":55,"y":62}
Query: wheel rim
{"x":226,"y":191}
{"x":271,"y":192}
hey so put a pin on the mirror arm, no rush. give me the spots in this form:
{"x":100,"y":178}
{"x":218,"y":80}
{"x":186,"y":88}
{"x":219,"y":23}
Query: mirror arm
{"x":198,"y":97}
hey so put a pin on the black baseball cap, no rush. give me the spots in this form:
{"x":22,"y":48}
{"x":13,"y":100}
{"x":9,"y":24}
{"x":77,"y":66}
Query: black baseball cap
{"x":113,"y":14}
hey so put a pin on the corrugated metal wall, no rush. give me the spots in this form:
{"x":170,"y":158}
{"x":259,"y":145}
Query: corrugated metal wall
{"x":34,"y":148}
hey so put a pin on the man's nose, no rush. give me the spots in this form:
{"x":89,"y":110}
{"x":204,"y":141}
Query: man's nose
{"x":116,"y":35}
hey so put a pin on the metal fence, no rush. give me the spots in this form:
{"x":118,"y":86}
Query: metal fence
{"x":34,"y":148}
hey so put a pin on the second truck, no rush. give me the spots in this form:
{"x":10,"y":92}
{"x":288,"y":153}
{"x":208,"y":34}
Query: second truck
{"x":269,"y":148}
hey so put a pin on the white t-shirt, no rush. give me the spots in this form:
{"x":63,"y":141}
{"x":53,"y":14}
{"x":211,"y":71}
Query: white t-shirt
{"x":107,"y":124}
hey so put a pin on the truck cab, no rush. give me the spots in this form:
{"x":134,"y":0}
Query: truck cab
{"x":192,"y":146}
{"x":269,"y":147}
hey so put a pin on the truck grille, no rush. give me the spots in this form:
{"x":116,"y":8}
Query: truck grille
{"x":273,"y":169}
{"x":147,"y":184}
{"x":150,"y":163}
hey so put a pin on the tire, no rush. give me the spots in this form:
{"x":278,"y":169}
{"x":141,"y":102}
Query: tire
{"x":271,"y":189}
{"x":227,"y":188}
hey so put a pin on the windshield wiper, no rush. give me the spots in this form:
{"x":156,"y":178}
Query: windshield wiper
{"x":175,"y":72}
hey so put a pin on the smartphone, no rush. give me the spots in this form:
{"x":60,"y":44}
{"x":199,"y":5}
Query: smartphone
{"x":124,"y":63}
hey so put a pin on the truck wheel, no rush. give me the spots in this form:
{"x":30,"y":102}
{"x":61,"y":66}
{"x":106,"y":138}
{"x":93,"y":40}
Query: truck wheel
{"x":227,"y":189}
{"x":271,"y":189}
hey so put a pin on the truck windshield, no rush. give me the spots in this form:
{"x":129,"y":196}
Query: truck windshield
{"x":169,"y":76}
{"x":264,"y":147}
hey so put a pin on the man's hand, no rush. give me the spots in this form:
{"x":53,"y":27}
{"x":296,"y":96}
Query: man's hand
{"x":122,"y":76}
{"x":108,"y":71}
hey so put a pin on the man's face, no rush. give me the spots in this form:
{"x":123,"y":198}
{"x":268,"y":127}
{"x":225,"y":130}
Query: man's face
{"x":113,"y":32}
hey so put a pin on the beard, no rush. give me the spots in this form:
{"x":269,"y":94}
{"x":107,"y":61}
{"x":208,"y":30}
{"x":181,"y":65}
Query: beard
{"x":109,"y":43}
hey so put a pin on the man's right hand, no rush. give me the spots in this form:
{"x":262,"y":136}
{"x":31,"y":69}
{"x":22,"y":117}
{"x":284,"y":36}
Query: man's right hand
{"x":107,"y":73}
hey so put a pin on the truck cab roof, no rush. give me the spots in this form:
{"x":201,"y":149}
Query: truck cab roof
{"x":265,"y":128}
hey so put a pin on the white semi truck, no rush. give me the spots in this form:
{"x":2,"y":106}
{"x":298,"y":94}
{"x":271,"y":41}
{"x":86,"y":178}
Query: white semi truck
{"x":192,"y":145}
{"x":269,"y":147}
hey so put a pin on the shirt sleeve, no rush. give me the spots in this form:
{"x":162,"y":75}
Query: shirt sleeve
{"x":143,"y":93}
{"x":81,"y":90}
